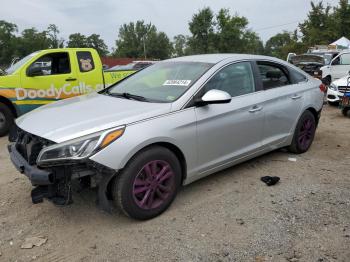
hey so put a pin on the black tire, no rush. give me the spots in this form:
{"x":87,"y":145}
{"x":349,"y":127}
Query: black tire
{"x":124,"y":185}
{"x":346,"y":111}
{"x":6,"y":119}
{"x":303,"y":136}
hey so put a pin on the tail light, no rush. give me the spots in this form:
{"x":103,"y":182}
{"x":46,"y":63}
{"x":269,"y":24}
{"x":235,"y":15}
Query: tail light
{"x":323,"y":88}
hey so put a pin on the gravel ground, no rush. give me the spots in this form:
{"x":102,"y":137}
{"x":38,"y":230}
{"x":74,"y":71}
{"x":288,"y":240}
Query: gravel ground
{"x":228,"y":216}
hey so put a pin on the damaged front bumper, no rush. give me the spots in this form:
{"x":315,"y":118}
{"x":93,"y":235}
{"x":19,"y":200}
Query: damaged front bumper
{"x":36,"y":176}
{"x":55,"y":183}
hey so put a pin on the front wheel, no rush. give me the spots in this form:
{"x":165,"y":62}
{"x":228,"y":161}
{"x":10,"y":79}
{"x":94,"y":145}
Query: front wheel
{"x":148,"y":184}
{"x":6,"y":119}
{"x":304,"y":133}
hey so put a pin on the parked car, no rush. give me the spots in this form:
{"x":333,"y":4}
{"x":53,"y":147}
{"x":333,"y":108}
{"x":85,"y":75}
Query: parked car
{"x":309,"y":63}
{"x":312,"y":62}
{"x":337,"y":89}
{"x":338,"y":68}
{"x":50,"y":75}
{"x":166,"y":126}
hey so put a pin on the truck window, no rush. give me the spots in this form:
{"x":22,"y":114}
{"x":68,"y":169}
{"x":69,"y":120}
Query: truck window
{"x":345,"y":59}
{"x":53,"y":64}
{"x":85,"y":61}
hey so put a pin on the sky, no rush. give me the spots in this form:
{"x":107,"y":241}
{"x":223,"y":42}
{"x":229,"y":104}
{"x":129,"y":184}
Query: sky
{"x":104,"y":17}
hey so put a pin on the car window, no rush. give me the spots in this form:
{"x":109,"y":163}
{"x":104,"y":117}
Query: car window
{"x":345,"y":59}
{"x":53,"y":64}
{"x":272,"y":76}
{"x":85,"y":61}
{"x":236,"y":79}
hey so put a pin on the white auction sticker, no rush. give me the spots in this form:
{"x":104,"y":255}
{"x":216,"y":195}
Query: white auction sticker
{"x":177,"y":83}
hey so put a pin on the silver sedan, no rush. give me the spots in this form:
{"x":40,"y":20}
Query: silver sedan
{"x":166,"y":126}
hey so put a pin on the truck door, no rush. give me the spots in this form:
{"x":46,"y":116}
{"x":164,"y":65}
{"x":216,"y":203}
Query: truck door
{"x":89,"y":71}
{"x":340,"y":66}
{"x":49,"y":78}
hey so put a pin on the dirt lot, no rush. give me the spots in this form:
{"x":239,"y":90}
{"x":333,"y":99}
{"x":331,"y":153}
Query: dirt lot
{"x":229,"y":216}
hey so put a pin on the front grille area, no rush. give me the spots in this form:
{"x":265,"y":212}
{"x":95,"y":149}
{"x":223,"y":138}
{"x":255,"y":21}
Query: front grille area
{"x":27,"y":144}
{"x":342,"y":89}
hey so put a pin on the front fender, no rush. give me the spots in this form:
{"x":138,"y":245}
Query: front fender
{"x":177,"y":128}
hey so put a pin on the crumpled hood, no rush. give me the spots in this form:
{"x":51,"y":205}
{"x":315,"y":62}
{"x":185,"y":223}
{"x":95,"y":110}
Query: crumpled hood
{"x":306,"y":59}
{"x":75,"y":117}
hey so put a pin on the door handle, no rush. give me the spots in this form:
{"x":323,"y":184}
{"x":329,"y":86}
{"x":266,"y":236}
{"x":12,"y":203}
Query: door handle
{"x":71,"y":79}
{"x":255,"y":109}
{"x":295,"y":97}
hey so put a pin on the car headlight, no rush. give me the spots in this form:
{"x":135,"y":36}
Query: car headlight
{"x":79,"y":148}
{"x":333,"y":87}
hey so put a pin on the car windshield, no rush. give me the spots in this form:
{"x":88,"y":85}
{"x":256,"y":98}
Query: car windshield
{"x":163,"y":82}
{"x":21,"y":62}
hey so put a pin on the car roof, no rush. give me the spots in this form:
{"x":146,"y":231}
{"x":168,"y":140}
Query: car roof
{"x":216,"y":58}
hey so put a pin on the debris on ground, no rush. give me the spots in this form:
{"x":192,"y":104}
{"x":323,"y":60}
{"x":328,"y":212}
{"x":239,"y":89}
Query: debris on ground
{"x":270,"y":180}
{"x":30,"y":242}
{"x":292,"y":159}
{"x":240,"y":221}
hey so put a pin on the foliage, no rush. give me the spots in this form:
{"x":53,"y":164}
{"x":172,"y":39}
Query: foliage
{"x":209,"y":33}
{"x":283,"y":43}
{"x":180,"y":47}
{"x":7,"y":42}
{"x":142,"y":40}
{"x":223,"y":33}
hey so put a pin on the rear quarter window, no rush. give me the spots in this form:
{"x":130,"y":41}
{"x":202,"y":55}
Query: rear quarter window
{"x":297,"y":77}
{"x":85,"y":61}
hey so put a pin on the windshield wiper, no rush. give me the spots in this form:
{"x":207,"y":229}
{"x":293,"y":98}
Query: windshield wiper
{"x":128,"y":96}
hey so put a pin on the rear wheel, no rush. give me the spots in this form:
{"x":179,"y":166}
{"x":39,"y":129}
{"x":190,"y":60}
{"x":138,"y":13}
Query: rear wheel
{"x":148,"y":184}
{"x":6,"y":119}
{"x":304,"y":133}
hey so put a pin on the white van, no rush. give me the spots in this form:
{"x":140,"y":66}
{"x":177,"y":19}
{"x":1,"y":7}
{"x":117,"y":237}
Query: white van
{"x":338,"y":68}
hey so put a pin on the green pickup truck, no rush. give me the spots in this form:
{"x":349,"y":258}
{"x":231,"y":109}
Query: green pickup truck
{"x":50,"y":75}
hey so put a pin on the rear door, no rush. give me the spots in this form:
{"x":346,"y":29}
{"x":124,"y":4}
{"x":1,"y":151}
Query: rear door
{"x":284,"y":96}
{"x":226,"y":132}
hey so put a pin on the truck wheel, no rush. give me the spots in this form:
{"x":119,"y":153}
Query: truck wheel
{"x":148,"y":184}
{"x":6,"y":119}
{"x":304,"y":133}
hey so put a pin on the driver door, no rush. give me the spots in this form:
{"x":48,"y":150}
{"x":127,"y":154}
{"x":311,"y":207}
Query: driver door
{"x":228,"y":132}
{"x":56,"y":80}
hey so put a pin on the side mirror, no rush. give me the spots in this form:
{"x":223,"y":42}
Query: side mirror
{"x":34,"y":71}
{"x":214,"y":96}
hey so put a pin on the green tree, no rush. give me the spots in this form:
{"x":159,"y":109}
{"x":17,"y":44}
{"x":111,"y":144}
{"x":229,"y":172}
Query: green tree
{"x":233,"y":35}
{"x":94,"y":41}
{"x":142,"y":40}
{"x":342,"y":18}
{"x":202,"y":28}
{"x":7,"y":42}
{"x":77,"y":40}
{"x":180,"y":45}
{"x":320,"y":26}
{"x":52,"y":34}
{"x":31,"y":40}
